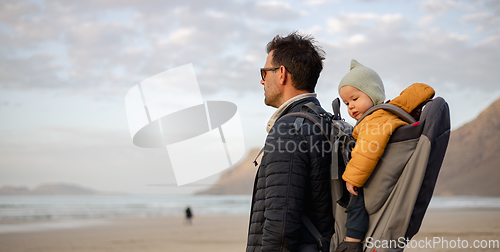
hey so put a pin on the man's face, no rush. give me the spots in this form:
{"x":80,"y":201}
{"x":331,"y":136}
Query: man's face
{"x":272,"y":95}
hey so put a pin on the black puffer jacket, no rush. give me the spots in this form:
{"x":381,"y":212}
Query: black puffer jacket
{"x":293,"y":179}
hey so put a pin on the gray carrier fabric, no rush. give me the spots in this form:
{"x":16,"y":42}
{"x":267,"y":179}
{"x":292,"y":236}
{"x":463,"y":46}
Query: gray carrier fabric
{"x":400,"y":188}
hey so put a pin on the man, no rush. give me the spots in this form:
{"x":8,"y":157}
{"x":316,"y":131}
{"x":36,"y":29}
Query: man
{"x":293,"y":179}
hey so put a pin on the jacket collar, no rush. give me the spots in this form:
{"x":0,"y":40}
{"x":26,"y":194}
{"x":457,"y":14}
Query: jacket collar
{"x":285,"y":108}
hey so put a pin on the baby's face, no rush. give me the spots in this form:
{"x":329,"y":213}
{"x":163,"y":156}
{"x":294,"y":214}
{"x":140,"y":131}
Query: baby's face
{"x":356,"y":100}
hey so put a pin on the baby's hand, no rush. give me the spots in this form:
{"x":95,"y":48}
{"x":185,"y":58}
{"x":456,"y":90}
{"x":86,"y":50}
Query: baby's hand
{"x":352,"y":189}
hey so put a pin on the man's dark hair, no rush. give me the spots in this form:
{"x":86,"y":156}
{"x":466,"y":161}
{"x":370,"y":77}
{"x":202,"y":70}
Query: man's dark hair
{"x":300,"y":56}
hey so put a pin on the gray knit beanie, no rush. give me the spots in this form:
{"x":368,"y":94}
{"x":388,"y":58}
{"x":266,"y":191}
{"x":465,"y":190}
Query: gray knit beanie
{"x":366,"y":80}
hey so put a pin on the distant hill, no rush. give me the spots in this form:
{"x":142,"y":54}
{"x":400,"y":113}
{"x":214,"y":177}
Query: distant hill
{"x":238,"y":180}
{"x":471,"y":165}
{"x":49,"y":189}
{"x":472,"y":162}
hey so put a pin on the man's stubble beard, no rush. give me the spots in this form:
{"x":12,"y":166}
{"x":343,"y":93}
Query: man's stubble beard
{"x":273,"y":100}
{"x":272,"y":97}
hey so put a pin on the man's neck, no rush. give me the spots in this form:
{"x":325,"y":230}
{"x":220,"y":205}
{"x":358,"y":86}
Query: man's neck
{"x":289,"y":94}
{"x":284,"y":106}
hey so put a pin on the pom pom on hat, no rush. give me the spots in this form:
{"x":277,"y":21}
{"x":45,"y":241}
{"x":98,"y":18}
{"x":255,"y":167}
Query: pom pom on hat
{"x":366,"y":80}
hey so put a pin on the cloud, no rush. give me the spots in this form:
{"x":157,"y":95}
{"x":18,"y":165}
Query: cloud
{"x":97,"y":42}
{"x":42,"y":69}
{"x":181,"y":36}
{"x":438,"y":7}
{"x":274,"y":10}
{"x":484,"y":20}
{"x":435,"y":9}
{"x":11,"y":11}
{"x":404,"y":52}
{"x":365,"y":22}
{"x":112,"y":45}
{"x":315,"y":2}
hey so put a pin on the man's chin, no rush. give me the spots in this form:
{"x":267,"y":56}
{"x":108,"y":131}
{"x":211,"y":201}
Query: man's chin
{"x":268,"y":103}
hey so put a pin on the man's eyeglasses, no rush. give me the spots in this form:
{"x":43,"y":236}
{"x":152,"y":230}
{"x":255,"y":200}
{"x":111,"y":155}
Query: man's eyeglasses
{"x":263,"y":71}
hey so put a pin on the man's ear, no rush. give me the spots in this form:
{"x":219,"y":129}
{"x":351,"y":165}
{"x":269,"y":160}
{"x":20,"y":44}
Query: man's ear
{"x":283,"y":75}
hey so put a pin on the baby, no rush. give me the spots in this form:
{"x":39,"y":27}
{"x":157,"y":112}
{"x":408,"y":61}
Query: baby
{"x":360,"y":90}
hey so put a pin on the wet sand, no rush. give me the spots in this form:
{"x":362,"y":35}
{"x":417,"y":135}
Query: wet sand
{"x":212,"y":233}
{"x":445,"y":230}
{"x":124,"y":235}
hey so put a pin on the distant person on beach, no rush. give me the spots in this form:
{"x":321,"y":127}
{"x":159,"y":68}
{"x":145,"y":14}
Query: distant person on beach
{"x":293,"y":179}
{"x":189,"y":215}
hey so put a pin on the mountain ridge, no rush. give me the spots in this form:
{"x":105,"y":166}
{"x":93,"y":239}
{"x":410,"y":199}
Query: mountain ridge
{"x":51,"y":189}
{"x":472,"y":164}
{"x":238,"y":180}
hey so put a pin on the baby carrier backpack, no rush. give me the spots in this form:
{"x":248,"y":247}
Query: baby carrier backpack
{"x":400,"y":188}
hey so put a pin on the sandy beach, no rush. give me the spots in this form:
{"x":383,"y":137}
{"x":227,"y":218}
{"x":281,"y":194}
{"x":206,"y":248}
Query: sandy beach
{"x":142,"y":234}
{"x":213,"y":233}
{"x":453,"y":227}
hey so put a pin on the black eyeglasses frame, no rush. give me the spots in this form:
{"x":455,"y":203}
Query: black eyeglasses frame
{"x":263,"y":71}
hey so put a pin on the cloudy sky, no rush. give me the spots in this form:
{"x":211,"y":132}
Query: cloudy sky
{"x":66,"y":66}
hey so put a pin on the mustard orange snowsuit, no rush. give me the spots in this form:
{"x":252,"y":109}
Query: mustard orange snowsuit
{"x":373,"y":133}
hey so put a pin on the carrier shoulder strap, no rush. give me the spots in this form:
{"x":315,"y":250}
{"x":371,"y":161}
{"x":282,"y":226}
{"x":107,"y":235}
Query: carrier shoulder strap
{"x":303,"y":114}
{"x":308,"y":223}
{"x":401,"y":113}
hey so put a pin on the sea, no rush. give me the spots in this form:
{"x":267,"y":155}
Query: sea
{"x":52,"y":207}
{"x":44,"y":207}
